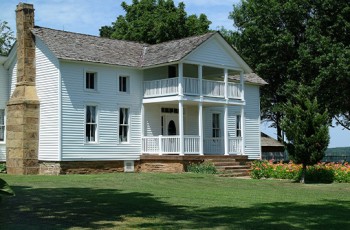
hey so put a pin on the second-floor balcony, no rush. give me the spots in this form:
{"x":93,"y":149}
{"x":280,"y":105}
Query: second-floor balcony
{"x":193,"y":87}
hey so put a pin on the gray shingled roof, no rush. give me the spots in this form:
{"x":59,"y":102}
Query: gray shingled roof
{"x":269,"y":141}
{"x":249,"y":78}
{"x":173,"y":50}
{"x":81,"y":47}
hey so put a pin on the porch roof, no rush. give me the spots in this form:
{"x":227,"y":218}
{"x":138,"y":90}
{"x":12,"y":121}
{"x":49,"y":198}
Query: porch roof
{"x":249,"y":78}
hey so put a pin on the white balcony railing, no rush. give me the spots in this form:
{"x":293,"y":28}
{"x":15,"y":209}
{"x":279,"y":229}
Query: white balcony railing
{"x":162,"y":87}
{"x":191,"y":86}
{"x":235,"y":145}
{"x":171,"y":145}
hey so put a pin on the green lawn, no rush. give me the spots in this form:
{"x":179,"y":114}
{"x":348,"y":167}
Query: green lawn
{"x":171,"y":201}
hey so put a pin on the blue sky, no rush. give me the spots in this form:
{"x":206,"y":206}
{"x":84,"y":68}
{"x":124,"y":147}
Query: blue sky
{"x":87,"y":16}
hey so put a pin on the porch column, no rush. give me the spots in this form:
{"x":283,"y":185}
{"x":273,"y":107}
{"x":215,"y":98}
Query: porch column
{"x":242,"y":84}
{"x":200,"y":79}
{"x":181,"y":78}
{"x":242,"y":130}
{"x":142,"y":127}
{"x":226,"y":83}
{"x":200,"y":128}
{"x":181,"y":128}
{"x":226,"y":141}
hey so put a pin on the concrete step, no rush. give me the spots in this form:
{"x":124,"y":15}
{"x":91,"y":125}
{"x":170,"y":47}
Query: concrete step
{"x":224,"y":163}
{"x":233,"y":167}
{"x":221,"y":160}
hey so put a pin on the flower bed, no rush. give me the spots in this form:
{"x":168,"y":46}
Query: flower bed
{"x":321,"y":172}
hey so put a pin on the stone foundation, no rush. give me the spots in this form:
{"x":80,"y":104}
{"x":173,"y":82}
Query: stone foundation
{"x":162,"y":166}
{"x":82,"y":167}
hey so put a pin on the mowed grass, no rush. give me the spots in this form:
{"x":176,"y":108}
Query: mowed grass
{"x":171,"y":201}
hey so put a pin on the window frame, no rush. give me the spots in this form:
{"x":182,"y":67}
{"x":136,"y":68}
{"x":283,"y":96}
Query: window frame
{"x":127,"y":125}
{"x":3,"y":126}
{"x":127,"y":84}
{"x":95,"y":89}
{"x":238,"y":125}
{"x":216,"y":131}
{"x":96,"y":123}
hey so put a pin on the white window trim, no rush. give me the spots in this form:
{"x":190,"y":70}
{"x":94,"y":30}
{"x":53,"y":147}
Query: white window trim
{"x":220,"y":124}
{"x":96,"y":80}
{"x":4,"y":141}
{"x":240,"y":123}
{"x":97,"y":139}
{"x":128,"y":85}
{"x":129,"y":124}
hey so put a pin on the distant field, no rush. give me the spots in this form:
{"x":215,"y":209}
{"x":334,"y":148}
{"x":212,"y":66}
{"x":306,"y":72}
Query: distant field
{"x":339,"y":150}
{"x":337,"y":154}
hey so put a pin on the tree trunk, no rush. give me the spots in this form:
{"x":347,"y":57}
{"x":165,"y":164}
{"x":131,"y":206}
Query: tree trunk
{"x":280,"y":136}
{"x":303,"y":172}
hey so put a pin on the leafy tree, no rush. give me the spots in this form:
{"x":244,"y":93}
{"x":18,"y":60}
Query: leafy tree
{"x":302,"y":40}
{"x":324,"y":57}
{"x":306,"y":129}
{"x":155,"y":21}
{"x":6,"y":38}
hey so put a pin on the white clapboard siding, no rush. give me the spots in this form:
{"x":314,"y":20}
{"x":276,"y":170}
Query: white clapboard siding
{"x":3,"y":100}
{"x":108,"y":101}
{"x":12,"y":77}
{"x":152,"y":119}
{"x":213,"y":52}
{"x":4,"y":86}
{"x":191,"y":120}
{"x":252,"y":122}
{"x":47,"y":84}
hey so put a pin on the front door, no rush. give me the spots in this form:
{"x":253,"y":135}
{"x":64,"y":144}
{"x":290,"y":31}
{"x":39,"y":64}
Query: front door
{"x":171,"y":128}
{"x":170,"y":124}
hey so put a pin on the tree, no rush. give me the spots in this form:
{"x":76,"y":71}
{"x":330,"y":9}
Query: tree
{"x":325,"y":56}
{"x":306,"y":129}
{"x":6,"y":38}
{"x":301,"y":40}
{"x":155,"y":21}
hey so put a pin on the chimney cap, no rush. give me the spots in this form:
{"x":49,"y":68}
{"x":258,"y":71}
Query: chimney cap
{"x":22,"y":6}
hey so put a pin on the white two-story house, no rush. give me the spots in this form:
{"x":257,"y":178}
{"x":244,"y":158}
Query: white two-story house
{"x":113,"y":100}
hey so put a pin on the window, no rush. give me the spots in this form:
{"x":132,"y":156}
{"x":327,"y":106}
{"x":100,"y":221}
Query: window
{"x":123,"y":124}
{"x":2,"y":125}
{"x":216,"y":125}
{"x":91,"y":124}
{"x":123,"y":84}
{"x":172,"y":71}
{"x":170,"y":110}
{"x":238,"y":126}
{"x":91,"y":81}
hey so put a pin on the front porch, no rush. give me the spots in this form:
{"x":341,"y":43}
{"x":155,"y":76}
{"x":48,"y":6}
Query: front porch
{"x":192,"y":145}
{"x":200,"y":114}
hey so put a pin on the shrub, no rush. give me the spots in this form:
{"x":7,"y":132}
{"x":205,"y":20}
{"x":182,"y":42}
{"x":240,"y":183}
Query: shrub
{"x":5,"y":189}
{"x":205,"y":167}
{"x":321,"y":172}
{"x":2,"y":168}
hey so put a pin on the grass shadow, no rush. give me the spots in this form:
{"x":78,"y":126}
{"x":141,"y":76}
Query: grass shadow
{"x":64,"y":208}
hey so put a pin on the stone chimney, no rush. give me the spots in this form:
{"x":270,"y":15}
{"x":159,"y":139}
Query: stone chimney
{"x":22,"y":130}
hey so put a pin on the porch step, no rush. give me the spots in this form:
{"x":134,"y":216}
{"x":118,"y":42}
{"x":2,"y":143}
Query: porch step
{"x":226,"y":163}
{"x":231,"y":167}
